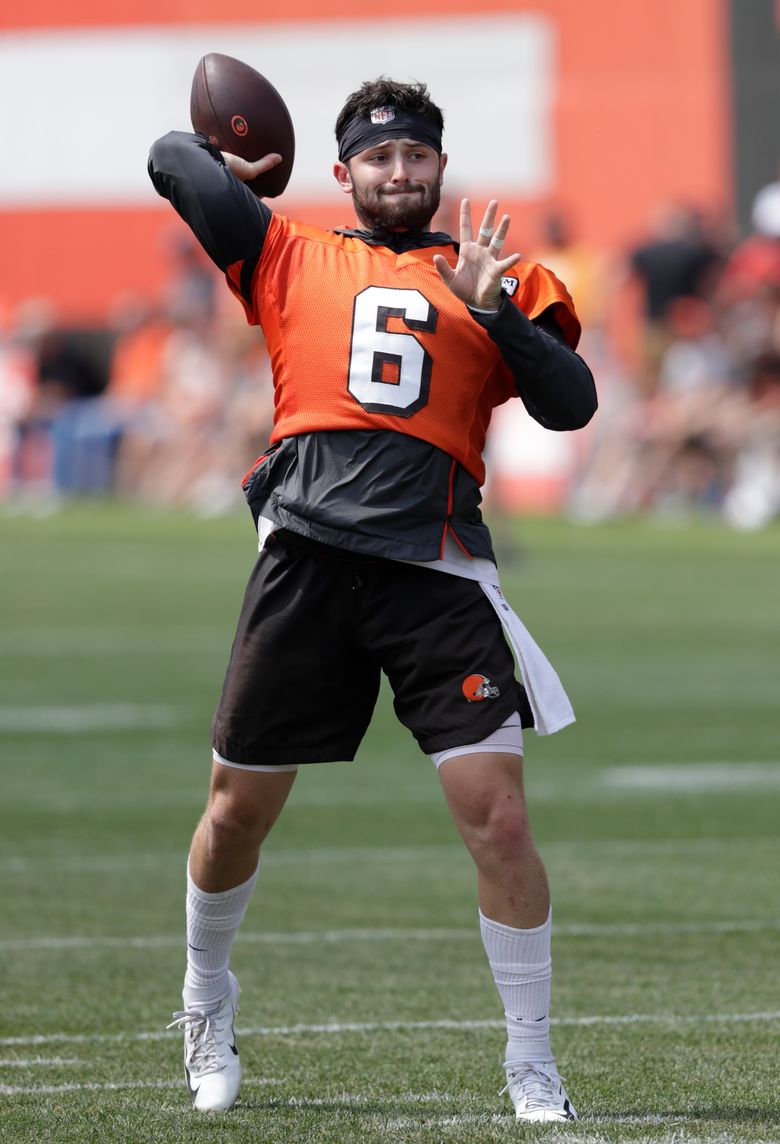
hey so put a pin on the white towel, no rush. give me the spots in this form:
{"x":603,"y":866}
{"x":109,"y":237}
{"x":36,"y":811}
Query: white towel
{"x":549,"y":702}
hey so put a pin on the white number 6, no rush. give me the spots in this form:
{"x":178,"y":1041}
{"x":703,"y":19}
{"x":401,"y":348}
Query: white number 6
{"x":389,"y":371}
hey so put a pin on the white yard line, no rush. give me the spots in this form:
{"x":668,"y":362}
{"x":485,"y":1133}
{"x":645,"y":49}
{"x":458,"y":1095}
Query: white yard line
{"x":669,"y":778}
{"x":93,"y":717}
{"x":38,"y":1062}
{"x":339,"y":1028}
{"x":336,"y":937}
{"x":406,"y":1123}
{"x":108,"y":1086}
{"x":508,"y":1119}
{"x":166,"y":941}
{"x":639,"y":929}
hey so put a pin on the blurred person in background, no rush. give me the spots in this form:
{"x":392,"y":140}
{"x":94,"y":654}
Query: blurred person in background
{"x":373,"y":549}
{"x":169,"y":368}
{"x":25,"y":449}
{"x":749,"y":296}
{"x":245,"y":418}
{"x":100,"y":432}
{"x":191,"y":290}
{"x":678,"y":260}
{"x":748,"y":293}
{"x":164,"y":455}
{"x":194,"y":401}
{"x":529,"y":470}
{"x":672,"y":452}
{"x":753,"y":500}
{"x":66,"y":380}
{"x":582,"y":268}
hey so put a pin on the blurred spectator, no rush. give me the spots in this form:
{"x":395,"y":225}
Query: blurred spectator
{"x":753,"y":499}
{"x":529,"y":469}
{"x":191,"y":292}
{"x":18,"y":381}
{"x":679,"y":260}
{"x":200,"y":387}
{"x":134,"y":380}
{"x":580,"y":267}
{"x":670,"y":451}
{"x":136,"y":364}
{"x":749,"y":288}
{"x":65,"y":381}
{"x":210,"y":417}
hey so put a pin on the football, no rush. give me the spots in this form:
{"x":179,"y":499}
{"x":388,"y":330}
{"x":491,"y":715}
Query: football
{"x":239,"y":111}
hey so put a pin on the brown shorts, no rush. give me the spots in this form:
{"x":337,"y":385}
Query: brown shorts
{"x":318,"y":626}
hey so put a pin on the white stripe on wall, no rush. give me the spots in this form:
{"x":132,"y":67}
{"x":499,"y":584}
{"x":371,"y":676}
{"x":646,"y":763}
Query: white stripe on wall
{"x":82,"y":107}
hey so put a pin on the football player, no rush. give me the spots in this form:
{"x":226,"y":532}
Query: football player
{"x":390,"y":346}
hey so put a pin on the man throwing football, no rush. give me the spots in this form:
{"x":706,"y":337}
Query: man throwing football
{"x":390,"y":346}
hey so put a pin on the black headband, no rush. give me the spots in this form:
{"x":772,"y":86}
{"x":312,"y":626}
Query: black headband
{"x":386,"y":123}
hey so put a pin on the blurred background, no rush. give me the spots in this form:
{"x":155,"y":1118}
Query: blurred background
{"x":635,"y":145}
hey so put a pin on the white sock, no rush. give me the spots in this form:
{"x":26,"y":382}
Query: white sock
{"x":212,"y":924}
{"x":522,"y":969}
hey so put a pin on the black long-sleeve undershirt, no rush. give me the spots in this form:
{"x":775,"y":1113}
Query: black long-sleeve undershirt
{"x":228,"y":219}
{"x":554,"y":383}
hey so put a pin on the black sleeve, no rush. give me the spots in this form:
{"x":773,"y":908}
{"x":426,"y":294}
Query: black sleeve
{"x":227,"y":219}
{"x":555,"y":384}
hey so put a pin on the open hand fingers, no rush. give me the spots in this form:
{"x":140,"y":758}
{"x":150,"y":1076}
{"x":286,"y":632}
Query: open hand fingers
{"x":488,"y":221}
{"x":465,"y":220}
{"x":476,"y":279}
{"x":446,"y":272}
{"x":498,"y":238}
{"x":491,"y":236}
{"x":507,"y":263}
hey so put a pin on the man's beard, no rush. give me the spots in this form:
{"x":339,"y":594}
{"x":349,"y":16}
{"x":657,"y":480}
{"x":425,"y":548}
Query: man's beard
{"x":397,"y":212}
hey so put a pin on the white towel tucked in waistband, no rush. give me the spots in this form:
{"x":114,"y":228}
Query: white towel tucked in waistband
{"x":549,"y":702}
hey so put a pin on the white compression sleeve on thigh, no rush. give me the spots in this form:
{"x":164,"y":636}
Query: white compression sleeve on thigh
{"x":212,"y":924}
{"x":522,"y":969}
{"x":507,"y":740}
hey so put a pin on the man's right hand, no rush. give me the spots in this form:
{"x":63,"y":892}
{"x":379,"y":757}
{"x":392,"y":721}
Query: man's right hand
{"x":246,"y":171}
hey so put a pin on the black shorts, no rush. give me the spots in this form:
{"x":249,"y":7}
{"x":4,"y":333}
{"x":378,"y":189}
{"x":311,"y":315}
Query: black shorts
{"x":317,"y":627}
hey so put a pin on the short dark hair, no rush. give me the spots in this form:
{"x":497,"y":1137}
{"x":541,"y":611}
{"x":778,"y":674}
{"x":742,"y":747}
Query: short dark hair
{"x":409,"y":97}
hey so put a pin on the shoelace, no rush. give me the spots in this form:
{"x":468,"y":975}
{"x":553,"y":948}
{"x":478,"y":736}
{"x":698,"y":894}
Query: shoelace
{"x":199,"y":1029}
{"x":539,"y":1086}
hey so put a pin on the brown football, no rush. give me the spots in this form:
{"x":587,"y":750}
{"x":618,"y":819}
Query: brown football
{"x":239,"y":111}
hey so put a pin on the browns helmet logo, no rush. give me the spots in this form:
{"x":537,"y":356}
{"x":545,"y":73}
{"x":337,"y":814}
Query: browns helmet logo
{"x":477,"y":687}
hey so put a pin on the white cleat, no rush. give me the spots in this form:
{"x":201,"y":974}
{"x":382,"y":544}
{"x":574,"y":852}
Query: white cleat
{"x":537,"y":1092}
{"x":211,"y":1065}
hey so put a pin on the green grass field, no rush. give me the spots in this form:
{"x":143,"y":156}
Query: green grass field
{"x":368,"y":1013}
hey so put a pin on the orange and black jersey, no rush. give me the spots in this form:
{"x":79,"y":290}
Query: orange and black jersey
{"x":384,"y":382}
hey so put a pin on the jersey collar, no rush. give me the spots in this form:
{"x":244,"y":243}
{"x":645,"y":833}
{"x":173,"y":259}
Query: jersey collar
{"x":399,"y":243}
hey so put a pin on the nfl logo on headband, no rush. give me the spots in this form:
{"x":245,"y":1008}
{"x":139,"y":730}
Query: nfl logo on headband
{"x":383,"y":115}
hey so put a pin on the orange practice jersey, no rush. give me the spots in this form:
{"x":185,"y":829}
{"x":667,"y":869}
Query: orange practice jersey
{"x":363,"y":338}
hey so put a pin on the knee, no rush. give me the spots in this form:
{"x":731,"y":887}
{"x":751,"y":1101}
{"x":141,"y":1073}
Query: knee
{"x":232,"y":822}
{"x":501,"y":834}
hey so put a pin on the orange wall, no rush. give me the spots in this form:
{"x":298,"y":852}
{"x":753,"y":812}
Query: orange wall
{"x":641,"y":115}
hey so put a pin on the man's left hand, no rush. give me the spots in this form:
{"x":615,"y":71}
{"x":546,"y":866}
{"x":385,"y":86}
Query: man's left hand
{"x":476,"y":278}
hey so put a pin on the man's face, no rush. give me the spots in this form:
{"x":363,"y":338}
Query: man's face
{"x":395,"y":184}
